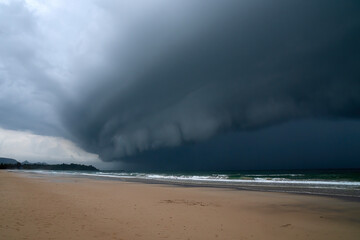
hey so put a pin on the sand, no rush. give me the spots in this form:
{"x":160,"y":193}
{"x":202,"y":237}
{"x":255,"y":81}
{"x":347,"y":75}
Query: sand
{"x":47,"y":207}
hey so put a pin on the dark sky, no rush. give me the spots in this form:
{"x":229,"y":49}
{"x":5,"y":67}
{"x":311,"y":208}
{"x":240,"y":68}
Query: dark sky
{"x":299,"y":144}
{"x":252,"y":84}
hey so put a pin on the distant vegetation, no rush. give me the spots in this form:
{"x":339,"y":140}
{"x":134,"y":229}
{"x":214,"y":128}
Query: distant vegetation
{"x":8,"y":163}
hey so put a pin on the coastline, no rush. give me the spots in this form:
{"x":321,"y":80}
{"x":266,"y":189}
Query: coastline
{"x":56,"y":207}
{"x":349,"y":193}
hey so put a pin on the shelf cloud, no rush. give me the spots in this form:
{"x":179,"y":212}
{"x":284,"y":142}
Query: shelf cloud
{"x":123,"y":78}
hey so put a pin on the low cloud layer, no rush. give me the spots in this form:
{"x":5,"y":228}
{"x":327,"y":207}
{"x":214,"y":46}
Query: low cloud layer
{"x":122,"y":78}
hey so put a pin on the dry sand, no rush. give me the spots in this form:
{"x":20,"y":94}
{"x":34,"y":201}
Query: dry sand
{"x":46,"y":207}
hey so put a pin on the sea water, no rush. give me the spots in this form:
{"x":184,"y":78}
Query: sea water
{"x":342,"y":182}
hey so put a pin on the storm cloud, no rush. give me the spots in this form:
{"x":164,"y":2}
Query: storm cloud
{"x":125,"y":79}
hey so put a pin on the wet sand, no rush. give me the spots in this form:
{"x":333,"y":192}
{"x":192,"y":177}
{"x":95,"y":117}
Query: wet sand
{"x":53,"y":207}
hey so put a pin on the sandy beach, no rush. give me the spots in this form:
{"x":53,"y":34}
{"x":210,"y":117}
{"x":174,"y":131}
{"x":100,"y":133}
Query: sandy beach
{"x":53,"y":207}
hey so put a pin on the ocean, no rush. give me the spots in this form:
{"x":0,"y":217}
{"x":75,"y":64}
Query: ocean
{"x":334,"y":182}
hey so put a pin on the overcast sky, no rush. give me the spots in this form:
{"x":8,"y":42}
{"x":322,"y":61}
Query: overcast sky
{"x":181,"y":84}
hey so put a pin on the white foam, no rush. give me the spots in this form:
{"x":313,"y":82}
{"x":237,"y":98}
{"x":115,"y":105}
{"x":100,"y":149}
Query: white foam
{"x":223,"y":178}
{"x":197,"y":178}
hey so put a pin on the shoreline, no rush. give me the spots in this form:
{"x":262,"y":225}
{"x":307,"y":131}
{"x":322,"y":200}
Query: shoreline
{"x":41,"y":207}
{"x":302,"y":189}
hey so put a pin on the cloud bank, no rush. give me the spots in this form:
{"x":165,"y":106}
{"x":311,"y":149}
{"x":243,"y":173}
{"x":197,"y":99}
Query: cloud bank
{"x":120,"y":78}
